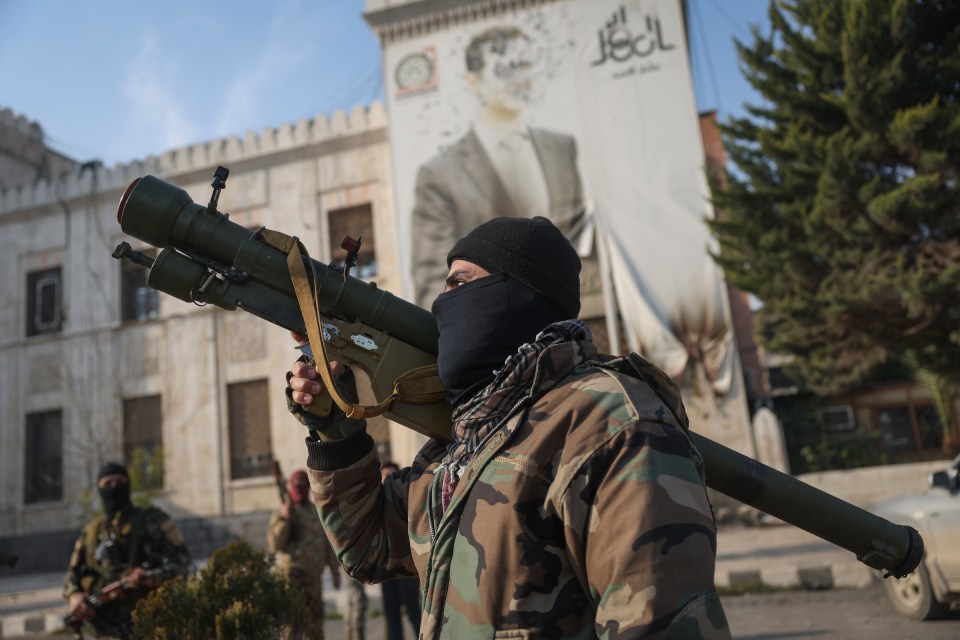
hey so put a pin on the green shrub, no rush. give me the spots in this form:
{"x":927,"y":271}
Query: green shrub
{"x":848,"y":450}
{"x":236,"y":596}
{"x":812,"y":447}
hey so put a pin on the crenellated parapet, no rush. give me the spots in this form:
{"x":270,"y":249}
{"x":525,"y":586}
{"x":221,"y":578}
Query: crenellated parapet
{"x":15,"y":124}
{"x":197,"y":157}
{"x":20,"y":138}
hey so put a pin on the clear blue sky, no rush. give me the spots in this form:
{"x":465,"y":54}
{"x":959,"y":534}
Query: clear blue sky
{"x":120,"y":80}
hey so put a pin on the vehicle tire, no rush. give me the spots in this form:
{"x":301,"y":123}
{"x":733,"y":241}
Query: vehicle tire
{"x":913,"y":596}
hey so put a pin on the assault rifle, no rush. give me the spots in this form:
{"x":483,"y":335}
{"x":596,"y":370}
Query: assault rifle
{"x":207,"y":259}
{"x":278,"y":478}
{"x":110,"y":593}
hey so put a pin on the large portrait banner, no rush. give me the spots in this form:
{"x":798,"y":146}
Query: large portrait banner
{"x":581,"y":111}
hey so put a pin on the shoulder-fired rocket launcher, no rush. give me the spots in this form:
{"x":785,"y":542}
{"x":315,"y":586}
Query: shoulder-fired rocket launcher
{"x":207,"y":259}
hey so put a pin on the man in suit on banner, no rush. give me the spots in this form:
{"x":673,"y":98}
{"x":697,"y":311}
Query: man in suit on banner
{"x":501,"y":167}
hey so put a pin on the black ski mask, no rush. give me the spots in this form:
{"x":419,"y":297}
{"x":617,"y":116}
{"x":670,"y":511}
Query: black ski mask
{"x":536,"y":282}
{"x":117,"y":497}
{"x":481,"y":324}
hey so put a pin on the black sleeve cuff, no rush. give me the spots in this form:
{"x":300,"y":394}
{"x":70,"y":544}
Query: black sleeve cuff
{"x":338,"y":454}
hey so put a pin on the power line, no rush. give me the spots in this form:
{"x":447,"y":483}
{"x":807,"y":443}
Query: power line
{"x":366,"y":90}
{"x":358,"y":82}
{"x":741,"y":29}
{"x":709,"y":58}
{"x":72,"y":149}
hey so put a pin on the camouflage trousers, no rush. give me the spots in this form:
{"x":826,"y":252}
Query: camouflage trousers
{"x":312,"y":589}
{"x":356,"y":609}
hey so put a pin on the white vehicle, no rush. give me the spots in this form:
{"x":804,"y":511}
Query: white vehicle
{"x":929,"y":591}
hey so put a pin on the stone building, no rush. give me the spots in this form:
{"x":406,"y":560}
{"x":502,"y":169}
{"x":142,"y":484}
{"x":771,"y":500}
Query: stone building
{"x":97,"y":366}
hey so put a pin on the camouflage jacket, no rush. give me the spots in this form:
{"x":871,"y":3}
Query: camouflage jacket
{"x":106,"y":549}
{"x":584,"y":515}
{"x":299,"y":541}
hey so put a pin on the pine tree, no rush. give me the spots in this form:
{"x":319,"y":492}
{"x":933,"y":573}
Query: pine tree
{"x":842,"y":213}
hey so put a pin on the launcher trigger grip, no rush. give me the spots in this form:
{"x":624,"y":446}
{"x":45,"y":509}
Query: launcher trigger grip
{"x":322,"y":403}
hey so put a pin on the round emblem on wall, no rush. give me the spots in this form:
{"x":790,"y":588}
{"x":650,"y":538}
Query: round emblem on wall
{"x":414,"y":70}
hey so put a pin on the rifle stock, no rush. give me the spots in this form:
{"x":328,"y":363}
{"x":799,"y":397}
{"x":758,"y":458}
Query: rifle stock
{"x":278,"y":478}
{"x":208,"y":259}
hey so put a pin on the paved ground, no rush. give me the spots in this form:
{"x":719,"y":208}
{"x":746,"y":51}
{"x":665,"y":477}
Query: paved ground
{"x":775,"y":554}
{"x":836,"y":614}
{"x":783,"y":555}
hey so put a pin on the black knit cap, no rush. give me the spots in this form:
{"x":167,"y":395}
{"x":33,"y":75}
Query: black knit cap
{"x":530,"y":250}
{"x":112,"y":468}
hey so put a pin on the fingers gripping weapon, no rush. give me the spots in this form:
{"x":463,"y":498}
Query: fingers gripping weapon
{"x":208,"y":259}
{"x":110,"y":593}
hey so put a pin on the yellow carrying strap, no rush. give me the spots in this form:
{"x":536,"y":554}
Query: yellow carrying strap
{"x":417,"y":386}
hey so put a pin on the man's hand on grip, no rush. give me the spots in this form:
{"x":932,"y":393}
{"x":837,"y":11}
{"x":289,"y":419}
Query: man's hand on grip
{"x":304,"y":387}
{"x":78,"y":607}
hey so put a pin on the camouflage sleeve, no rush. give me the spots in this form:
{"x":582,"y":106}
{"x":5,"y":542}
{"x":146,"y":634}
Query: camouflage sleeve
{"x":641,"y":534}
{"x":75,"y":570}
{"x":365,"y":522}
{"x":175,"y":556}
{"x":278,"y":532}
{"x":330,"y":556}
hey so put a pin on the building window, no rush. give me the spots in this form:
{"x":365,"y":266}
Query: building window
{"x":910,"y":430}
{"x":139,"y":301}
{"x":837,"y":417}
{"x":248,"y":409}
{"x":43,"y":481}
{"x":895,"y":427}
{"x":780,"y":383}
{"x":143,"y":441}
{"x":356,"y":222}
{"x":930,"y":431}
{"x":44,"y":299}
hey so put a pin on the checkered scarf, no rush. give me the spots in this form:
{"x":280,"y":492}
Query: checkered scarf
{"x":536,"y":368}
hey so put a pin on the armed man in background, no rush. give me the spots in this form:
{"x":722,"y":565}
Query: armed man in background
{"x":296,"y":536}
{"x":571,"y":501}
{"x":139,"y":548}
{"x":357,"y":603}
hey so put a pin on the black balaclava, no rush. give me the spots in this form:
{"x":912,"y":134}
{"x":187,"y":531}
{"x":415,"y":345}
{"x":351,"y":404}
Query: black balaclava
{"x":481,"y":324}
{"x":535,"y":282}
{"x":116,"y":498}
